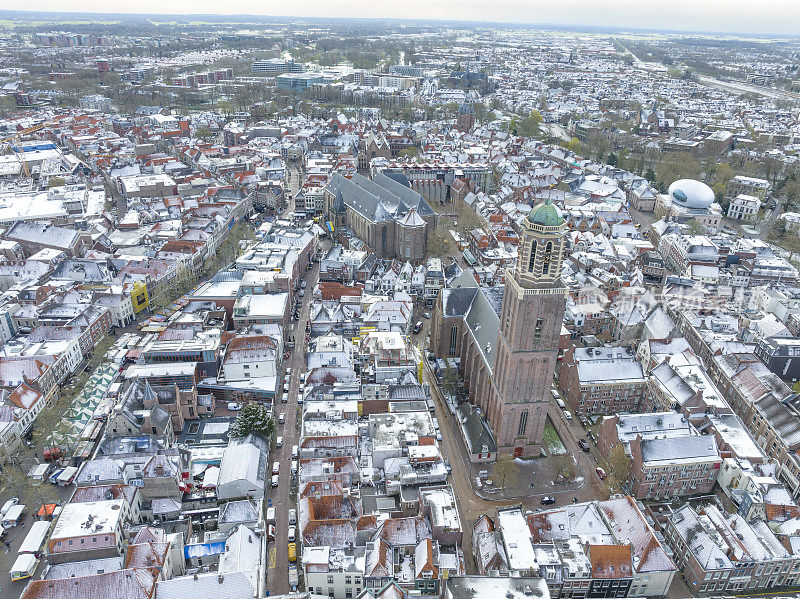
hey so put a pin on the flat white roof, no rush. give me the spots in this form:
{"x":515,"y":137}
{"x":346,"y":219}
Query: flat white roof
{"x":86,"y":519}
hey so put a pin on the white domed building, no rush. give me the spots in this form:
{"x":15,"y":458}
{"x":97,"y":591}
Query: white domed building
{"x":687,"y":200}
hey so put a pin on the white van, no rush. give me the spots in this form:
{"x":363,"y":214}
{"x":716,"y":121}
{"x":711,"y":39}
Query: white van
{"x":567,"y":415}
{"x":24,"y":567}
{"x":67,"y":476}
{"x":561,"y":403}
{"x":40,"y":471}
{"x":271,"y":515}
{"x":292,"y":516}
{"x":13,"y":516}
{"x":279,"y":442}
{"x":294,"y":451}
{"x":292,"y":533}
{"x":294,"y":466}
{"x":276,"y":467}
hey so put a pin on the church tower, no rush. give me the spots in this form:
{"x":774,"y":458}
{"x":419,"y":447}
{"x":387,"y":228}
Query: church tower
{"x":530,"y":327}
{"x":465,"y":120}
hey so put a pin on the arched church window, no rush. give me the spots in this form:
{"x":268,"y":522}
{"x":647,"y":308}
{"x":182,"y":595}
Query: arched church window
{"x":523,"y":423}
{"x":532,"y":256}
{"x":548,"y":256}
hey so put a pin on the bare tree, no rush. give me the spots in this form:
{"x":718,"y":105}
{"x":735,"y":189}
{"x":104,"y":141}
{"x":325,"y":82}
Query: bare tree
{"x":618,"y":467}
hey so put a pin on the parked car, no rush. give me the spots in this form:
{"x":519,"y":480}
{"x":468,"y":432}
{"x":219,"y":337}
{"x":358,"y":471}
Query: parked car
{"x":282,"y":418}
{"x":448,"y":466}
{"x":292,"y":516}
{"x":292,"y":533}
{"x":426,"y":315}
{"x":275,"y":480}
{"x":417,"y":327}
{"x":600,"y":472}
{"x":584,"y":445}
{"x":547,"y":500}
{"x":234,"y":406}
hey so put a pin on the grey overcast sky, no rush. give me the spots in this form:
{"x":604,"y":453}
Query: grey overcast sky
{"x":747,"y":16}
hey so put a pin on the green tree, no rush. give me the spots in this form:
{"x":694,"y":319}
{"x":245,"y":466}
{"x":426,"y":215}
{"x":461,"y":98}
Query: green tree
{"x":650,"y":174}
{"x":529,"y":126}
{"x":409,"y":152}
{"x":253,"y":418}
{"x":574,"y":145}
{"x":612,"y":159}
{"x":720,"y":174}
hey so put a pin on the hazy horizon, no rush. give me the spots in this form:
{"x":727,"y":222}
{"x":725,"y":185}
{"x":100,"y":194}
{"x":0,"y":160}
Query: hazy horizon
{"x":720,"y":16}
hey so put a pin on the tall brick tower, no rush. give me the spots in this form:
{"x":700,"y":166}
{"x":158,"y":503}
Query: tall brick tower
{"x":530,"y":326}
{"x":465,"y":120}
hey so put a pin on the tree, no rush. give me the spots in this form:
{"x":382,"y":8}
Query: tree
{"x":30,"y":492}
{"x":650,"y":174}
{"x":720,"y":174}
{"x":678,"y":165}
{"x":7,"y":106}
{"x":204,"y":133}
{"x":505,"y":467}
{"x":618,"y":468}
{"x":452,"y":385}
{"x":409,"y":152}
{"x":574,"y":145}
{"x":612,"y":159}
{"x":528,"y":126}
{"x":782,"y":236}
{"x":695,"y":228}
{"x":253,"y":418}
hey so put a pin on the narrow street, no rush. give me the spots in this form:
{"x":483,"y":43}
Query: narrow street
{"x":282,"y":498}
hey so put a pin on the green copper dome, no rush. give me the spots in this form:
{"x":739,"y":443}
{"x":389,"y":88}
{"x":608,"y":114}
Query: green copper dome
{"x":546,"y":214}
